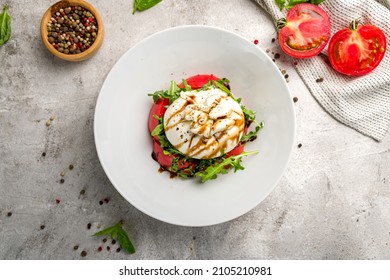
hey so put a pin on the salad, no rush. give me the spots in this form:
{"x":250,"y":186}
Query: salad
{"x":199,"y":128}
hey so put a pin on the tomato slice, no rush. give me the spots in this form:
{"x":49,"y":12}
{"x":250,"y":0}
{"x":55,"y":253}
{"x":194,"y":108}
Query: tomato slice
{"x":198,"y":81}
{"x":236,"y":151}
{"x":305,"y":31}
{"x":357,"y":50}
{"x":157,"y":109}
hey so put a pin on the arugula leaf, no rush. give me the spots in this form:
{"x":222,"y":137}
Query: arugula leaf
{"x":115,"y":232}
{"x":187,"y":87}
{"x":172,"y":94}
{"x":5,"y":25}
{"x":253,"y":134}
{"x":212,"y":171}
{"x":142,"y":5}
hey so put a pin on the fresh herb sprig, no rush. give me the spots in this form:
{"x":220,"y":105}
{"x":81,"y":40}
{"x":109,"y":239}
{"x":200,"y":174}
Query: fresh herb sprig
{"x":117,"y":232}
{"x":252,"y":135}
{"x":5,"y":25}
{"x":212,"y":171}
{"x":142,"y":5}
{"x":288,"y":4}
{"x":172,"y":93}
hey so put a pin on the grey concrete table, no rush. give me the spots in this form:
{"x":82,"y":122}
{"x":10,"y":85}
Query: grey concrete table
{"x":332,"y":203}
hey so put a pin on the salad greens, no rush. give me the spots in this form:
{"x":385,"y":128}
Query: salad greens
{"x":288,"y":4}
{"x":5,"y":25}
{"x":205,"y":169}
{"x":142,"y":5}
{"x":117,"y":232}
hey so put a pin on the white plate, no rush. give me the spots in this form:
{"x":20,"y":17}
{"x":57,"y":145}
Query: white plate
{"x":124,"y":145}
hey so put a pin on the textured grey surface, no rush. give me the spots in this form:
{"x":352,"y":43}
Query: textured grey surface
{"x":332,"y":203}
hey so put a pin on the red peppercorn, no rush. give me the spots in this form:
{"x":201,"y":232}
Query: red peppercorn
{"x":256,"y":42}
{"x":100,"y":248}
{"x":108,"y":248}
{"x":58,"y":201}
{"x":295,"y":62}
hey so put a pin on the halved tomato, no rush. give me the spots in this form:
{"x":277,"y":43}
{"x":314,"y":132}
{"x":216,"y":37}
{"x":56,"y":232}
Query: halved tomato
{"x":357,"y":50}
{"x":305,"y":31}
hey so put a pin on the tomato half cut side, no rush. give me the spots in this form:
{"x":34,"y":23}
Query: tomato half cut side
{"x":198,"y":81}
{"x":357,"y":50}
{"x":305,"y":31}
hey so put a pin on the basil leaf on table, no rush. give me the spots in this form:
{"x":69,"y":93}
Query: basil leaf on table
{"x":142,"y":5}
{"x":5,"y":25}
{"x":115,"y":232}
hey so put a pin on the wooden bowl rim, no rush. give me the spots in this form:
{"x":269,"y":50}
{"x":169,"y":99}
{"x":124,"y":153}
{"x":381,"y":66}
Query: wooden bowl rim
{"x":85,"y":54}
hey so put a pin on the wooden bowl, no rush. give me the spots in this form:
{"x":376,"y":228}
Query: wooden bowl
{"x":72,"y":57}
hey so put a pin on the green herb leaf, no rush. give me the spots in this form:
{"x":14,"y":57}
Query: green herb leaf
{"x":115,"y":232}
{"x":252,"y":134}
{"x":212,"y":171}
{"x":142,"y":5}
{"x":172,"y":94}
{"x":5,"y":26}
{"x":291,"y":3}
{"x":280,"y":3}
{"x":187,"y":87}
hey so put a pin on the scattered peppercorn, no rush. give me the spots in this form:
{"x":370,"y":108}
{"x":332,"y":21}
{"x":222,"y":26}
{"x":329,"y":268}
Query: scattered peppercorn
{"x":267,"y":50}
{"x":62,"y":180}
{"x":75,"y":247}
{"x":295,"y":62}
{"x":320,"y":80}
{"x":82,"y":192}
{"x":52,"y":118}
{"x":106,"y":200}
{"x":73,"y":30}
{"x":9,"y":214}
{"x":273,"y":40}
{"x":108,"y":248}
{"x":100,"y":202}
{"x":295,"y":99}
{"x":118,"y":249}
{"x":71,"y":167}
{"x":113,"y":241}
{"x":277,"y":56}
{"x":256,"y":42}
{"x":89,"y":226}
{"x":48,"y":123}
{"x":194,"y":237}
{"x":58,"y":201}
{"x":104,"y":240}
{"x":83,"y":253}
{"x":62,"y":174}
{"x":100,"y":248}
{"x":273,"y":60}
{"x":299,"y":145}
{"x":284,"y":72}
{"x":286,"y":76}
{"x":42,"y":226}
{"x":43,"y":154}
